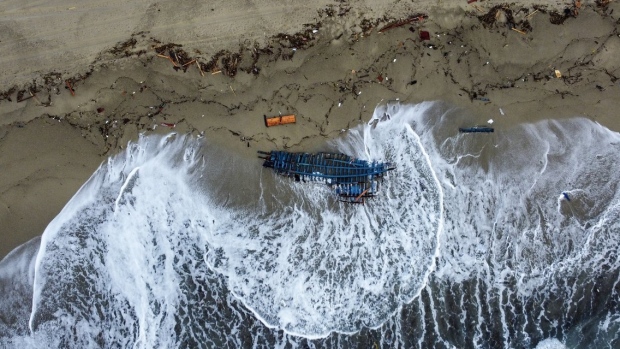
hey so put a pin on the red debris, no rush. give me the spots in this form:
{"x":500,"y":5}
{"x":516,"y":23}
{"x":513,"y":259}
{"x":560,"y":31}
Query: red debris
{"x":100,"y":110}
{"x":470,"y":1}
{"x":424,"y":35}
{"x":168,"y":124}
{"x":380,"y":78}
{"x":69,"y":87}
{"x":400,"y":23}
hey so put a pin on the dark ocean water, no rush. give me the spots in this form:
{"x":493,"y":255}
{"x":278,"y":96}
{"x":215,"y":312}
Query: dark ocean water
{"x":502,"y":240}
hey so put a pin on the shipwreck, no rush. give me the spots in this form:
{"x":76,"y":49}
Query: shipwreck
{"x":353,"y":180}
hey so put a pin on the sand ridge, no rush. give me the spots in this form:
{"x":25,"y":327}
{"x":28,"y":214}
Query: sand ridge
{"x":65,"y":35}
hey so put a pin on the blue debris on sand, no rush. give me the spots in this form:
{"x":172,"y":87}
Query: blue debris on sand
{"x":352,"y":179}
{"x":566,"y":196}
{"x":476,"y":129}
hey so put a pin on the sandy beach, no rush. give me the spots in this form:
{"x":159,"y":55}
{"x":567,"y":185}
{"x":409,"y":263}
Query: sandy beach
{"x":80,"y":80}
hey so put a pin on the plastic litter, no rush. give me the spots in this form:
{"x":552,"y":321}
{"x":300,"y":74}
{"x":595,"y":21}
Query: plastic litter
{"x":279,"y":120}
{"x":476,"y":129}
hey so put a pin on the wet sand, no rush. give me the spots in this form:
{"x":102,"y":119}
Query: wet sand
{"x":98,"y":78}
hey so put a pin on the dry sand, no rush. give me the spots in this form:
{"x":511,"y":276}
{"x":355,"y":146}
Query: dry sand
{"x":331,"y":75}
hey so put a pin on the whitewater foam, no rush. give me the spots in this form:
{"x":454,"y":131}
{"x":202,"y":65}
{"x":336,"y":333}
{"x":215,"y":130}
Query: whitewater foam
{"x":506,"y":240}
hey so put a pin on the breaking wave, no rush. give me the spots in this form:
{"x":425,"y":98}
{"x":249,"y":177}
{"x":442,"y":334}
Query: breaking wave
{"x":504,"y":240}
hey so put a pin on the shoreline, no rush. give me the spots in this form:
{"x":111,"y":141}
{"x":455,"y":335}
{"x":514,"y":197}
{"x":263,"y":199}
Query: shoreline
{"x":473,"y":60}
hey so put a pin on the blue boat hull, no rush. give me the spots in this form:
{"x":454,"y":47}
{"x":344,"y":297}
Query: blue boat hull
{"x":352,"y":179}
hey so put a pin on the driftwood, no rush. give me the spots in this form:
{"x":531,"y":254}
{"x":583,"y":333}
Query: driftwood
{"x":400,"y":23}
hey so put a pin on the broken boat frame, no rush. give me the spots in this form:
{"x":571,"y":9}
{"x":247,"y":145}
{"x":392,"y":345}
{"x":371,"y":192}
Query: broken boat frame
{"x":352,"y":179}
{"x":476,"y":129}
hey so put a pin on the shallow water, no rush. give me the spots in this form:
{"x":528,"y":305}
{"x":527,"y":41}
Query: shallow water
{"x":507,"y":239}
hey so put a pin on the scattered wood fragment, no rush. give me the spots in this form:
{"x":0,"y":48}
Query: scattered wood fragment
{"x":168,"y":58}
{"x":519,"y":31}
{"x":531,"y":14}
{"x":190,"y":62}
{"x":200,"y":69}
{"x":70,"y":88}
{"x":21,"y":99}
{"x":173,"y":58}
{"x":400,"y":23}
{"x":478,"y":8}
{"x":361,"y":195}
{"x":36,"y":98}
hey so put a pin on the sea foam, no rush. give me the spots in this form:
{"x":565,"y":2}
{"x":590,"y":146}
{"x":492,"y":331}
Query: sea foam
{"x":507,"y":238}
